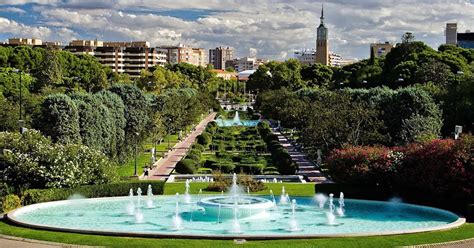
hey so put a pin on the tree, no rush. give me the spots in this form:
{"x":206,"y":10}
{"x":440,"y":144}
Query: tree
{"x":408,"y":37}
{"x":59,"y":119}
{"x":317,"y":75}
{"x":50,"y":71}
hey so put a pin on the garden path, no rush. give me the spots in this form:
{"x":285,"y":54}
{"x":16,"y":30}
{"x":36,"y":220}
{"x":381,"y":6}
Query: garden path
{"x":164,"y":167}
{"x":306,"y":167}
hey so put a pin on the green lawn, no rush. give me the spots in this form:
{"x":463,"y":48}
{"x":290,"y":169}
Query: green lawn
{"x":293,"y":189}
{"x":463,"y":232}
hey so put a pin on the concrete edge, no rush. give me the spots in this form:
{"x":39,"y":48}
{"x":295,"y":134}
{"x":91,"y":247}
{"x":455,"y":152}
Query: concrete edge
{"x":41,"y":242}
{"x":455,"y":242}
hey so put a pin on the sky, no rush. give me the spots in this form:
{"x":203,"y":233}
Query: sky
{"x":270,"y":29}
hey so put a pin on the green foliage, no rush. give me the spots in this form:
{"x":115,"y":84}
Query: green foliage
{"x":32,"y":161}
{"x":204,"y":139}
{"x":10,"y":202}
{"x":33,"y":196}
{"x":59,"y":119}
{"x":186,"y":166}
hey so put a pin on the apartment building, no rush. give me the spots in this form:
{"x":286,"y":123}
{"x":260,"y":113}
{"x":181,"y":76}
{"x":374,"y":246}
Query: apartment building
{"x":121,"y":57}
{"x":25,"y":42}
{"x":219,"y":56}
{"x":380,"y":49}
{"x":185,"y":54}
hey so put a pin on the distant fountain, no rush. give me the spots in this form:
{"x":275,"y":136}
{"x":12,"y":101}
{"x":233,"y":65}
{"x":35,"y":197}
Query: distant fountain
{"x":321,"y":199}
{"x":293,"y":224}
{"x":130,"y":208}
{"x":340,"y":209}
{"x":284,"y":196}
{"x":139,"y":196}
{"x":149,"y":195}
{"x":187,"y":196}
{"x":177,"y":220}
{"x":331,"y":218}
{"x":236,"y":120}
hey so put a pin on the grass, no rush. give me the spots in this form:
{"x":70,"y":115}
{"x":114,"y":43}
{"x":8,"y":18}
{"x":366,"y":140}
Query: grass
{"x":464,"y":232}
{"x":144,"y":157}
{"x":295,"y":189}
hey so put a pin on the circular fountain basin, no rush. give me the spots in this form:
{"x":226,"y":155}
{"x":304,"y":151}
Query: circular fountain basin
{"x":223,"y":206}
{"x":109,"y":216}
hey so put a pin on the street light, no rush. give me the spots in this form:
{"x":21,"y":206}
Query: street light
{"x":136,"y":144}
{"x":20,"y":120}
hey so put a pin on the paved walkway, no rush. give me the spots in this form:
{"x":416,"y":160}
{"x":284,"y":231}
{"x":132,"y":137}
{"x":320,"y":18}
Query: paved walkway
{"x":164,"y":167}
{"x":305,"y":166}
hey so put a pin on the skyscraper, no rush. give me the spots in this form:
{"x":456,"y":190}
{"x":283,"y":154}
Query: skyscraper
{"x":451,"y":33}
{"x":322,"y":46}
{"x":219,"y":56}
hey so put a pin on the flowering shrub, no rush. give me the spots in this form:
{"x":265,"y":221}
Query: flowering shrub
{"x":30,"y":160}
{"x":363,"y":164}
{"x":441,"y":169}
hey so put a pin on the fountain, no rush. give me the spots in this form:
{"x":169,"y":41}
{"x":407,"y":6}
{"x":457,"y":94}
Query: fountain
{"x":235,"y":221}
{"x":340,"y":209}
{"x":138,"y":213}
{"x":149,"y":195}
{"x":236,"y":120}
{"x":321,"y":199}
{"x":273,"y":197}
{"x":130,"y":208}
{"x":331,"y":218}
{"x":187,"y":196}
{"x":177,"y":220}
{"x":284,"y":196}
{"x":293,"y":224}
{"x":223,"y":206}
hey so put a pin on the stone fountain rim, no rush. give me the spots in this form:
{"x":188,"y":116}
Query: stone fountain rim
{"x":263,"y":204}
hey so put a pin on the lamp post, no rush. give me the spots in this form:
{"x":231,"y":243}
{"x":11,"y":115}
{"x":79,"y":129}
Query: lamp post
{"x":459,"y":74}
{"x":20,"y":120}
{"x":136,"y":144}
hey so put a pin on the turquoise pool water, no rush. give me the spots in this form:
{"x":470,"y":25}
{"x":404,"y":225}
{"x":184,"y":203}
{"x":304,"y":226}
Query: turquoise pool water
{"x":111,"y":215}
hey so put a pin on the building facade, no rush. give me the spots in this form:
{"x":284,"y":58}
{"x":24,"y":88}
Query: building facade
{"x":466,"y":40}
{"x":306,"y":56}
{"x":121,"y":57}
{"x":451,"y":33}
{"x":219,"y":56}
{"x":380,"y":49}
{"x":185,"y":54}
{"x":322,"y":45}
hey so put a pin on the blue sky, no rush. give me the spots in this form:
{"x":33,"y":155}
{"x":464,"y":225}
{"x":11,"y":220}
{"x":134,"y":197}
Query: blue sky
{"x":268,"y":28}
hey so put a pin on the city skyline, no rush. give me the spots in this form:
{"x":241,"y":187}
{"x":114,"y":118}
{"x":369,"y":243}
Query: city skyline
{"x":268,"y":29}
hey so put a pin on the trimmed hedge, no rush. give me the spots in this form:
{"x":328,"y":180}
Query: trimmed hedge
{"x":10,"y":202}
{"x":33,"y":196}
{"x":204,"y":139}
{"x":186,"y":166}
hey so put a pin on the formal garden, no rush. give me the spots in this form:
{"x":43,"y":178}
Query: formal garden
{"x":386,"y":143}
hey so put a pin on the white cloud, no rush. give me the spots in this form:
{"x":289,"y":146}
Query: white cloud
{"x":12,"y":10}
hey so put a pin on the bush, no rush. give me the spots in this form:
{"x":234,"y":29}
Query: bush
{"x":282,"y":160}
{"x":253,"y":169}
{"x":10,"y":202}
{"x":204,"y":139}
{"x":30,"y":160}
{"x":186,"y":166}
{"x":33,"y":196}
{"x":204,"y":171}
{"x":195,"y":152}
{"x":193,"y":157}
{"x":363,"y":165}
{"x":199,"y":147}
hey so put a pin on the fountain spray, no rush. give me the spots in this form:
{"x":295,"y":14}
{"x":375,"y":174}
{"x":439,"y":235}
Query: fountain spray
{"x":177,"y":221}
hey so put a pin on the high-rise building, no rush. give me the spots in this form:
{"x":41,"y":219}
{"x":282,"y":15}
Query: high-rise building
{"x":464,"y":40}
{"x":121,"y":57}
{"x":451,"y":33}
{"x":219,"y":56}
{"x":380,"y":49}
{"x":185,"y":54}
{"x":322,"y":46}
{"x":307,"y":57}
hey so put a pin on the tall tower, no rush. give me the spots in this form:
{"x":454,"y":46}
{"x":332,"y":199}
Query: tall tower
{"x":322,"y":46}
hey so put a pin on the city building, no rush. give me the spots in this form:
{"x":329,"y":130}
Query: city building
{"x":464,"y":40}
{"x":305,"y":56}
{"x":25,"y":42}
{"x":451,"y":33}
{"x":121,"y":57}
{"x":244,"y":64}
{"x":226,"y":75}
{"x":308,"y":57}
{"x":185,"y":54}
{"x":380,"y":49}
{"x":322,"y":46}
{"x":219,"y":56}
